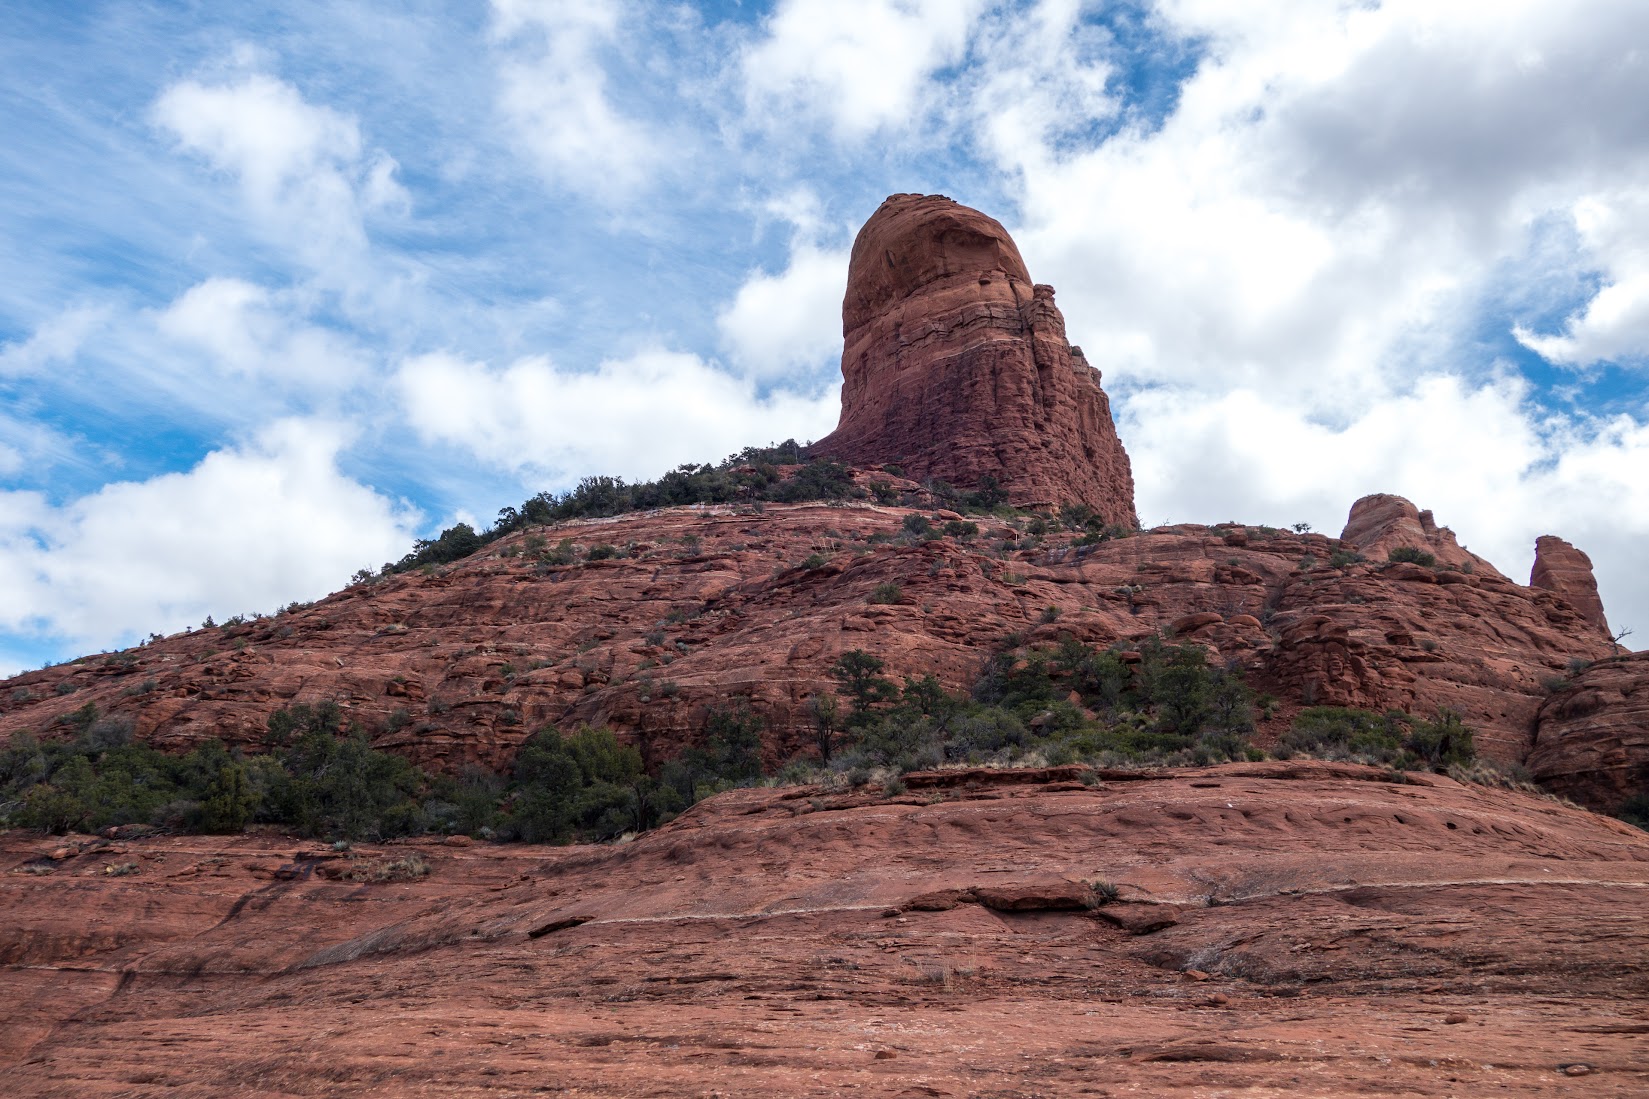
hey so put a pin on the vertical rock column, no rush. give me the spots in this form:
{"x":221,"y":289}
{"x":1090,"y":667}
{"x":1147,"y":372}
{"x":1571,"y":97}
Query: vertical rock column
{"x":955,"y":366}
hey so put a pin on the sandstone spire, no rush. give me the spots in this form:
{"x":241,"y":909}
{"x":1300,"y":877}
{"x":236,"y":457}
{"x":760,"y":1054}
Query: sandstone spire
{"x":1561,"y":568}
{"x":955,"y":366}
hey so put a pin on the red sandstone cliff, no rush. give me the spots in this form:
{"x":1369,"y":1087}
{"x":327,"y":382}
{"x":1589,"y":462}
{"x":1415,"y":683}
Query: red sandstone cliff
{"x":956,"y":368}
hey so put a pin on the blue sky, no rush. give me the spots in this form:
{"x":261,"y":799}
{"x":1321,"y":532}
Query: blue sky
{"x":285,"y":286}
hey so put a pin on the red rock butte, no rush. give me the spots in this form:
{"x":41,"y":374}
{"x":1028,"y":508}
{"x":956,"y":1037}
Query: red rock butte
{"x":955,"y":366}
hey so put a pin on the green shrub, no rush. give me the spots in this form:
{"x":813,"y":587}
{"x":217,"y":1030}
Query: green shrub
{"x":1412,"y":554}
{"x":888,"y":592}
{"x":1393,"y":738}
{"x":919,"y":529}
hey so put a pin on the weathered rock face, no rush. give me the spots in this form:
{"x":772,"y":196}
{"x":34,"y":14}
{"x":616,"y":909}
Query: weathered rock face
{"x":710,"y":605}
{"x":1561,"y":568}
{"x":1381,"y":523}
{"x":955,"y":366}
{"x":1305,"y":929}
{"x":1592,"y":737}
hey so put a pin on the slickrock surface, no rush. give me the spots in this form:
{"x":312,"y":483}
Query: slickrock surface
{"x":1593,"y":744}
{"x":715,"y":604}
{"x":956,"y":367}
{"x":1278,"y":929}
{"x":1561,"y":568}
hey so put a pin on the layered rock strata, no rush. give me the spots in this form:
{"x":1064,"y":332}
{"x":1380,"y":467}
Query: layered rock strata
{"x":1592,"y":737}
{"x":955,"y":366}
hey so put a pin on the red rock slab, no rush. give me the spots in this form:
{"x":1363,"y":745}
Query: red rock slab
{"x":1352,"y":936}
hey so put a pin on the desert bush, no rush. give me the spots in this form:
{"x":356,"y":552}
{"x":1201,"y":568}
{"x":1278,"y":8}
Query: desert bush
{"x":888,"y":592}
{"x":1412,"y":554}
{"x":1393,"y":738}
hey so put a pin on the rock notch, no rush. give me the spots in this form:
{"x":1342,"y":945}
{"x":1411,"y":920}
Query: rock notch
{"x":1564,"y":570}
{"x":955,"y":366}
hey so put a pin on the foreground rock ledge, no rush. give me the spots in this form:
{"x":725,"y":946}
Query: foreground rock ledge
{"x":1301,"y":929}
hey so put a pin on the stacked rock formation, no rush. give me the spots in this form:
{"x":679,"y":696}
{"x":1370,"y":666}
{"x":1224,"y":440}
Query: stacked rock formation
{"x":1560,"y":567}
{"x":955,"y":366}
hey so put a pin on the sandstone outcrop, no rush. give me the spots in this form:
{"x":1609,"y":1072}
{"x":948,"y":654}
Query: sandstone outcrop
{"x":1560,"y":567}
{"x":714,"y":604}
{"x":955,"y":366}
{"x":1381,"y":523}
{"x":1300,"y":929}
{"x":1592,"y":735}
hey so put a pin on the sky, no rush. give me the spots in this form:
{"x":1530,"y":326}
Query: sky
{"x":286,"y":286}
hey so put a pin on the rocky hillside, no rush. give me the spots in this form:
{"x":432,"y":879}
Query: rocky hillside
{"x":698,"y":606}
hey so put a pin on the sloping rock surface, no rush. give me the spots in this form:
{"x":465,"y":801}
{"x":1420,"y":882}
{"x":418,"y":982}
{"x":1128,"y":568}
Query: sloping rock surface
{"x":956,"y":367}
{"x":1300,"y":929}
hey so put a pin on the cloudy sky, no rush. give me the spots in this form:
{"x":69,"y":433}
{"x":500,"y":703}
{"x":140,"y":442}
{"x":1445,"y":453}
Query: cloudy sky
{"x":284,"y":286}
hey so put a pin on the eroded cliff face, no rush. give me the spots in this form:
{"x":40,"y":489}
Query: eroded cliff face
{"x":955,"y":366}
{"x":1592,"y":739}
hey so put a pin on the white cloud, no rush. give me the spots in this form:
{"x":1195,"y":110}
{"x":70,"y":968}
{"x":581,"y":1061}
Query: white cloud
{"x":860,"y":65}
{"x":245,"y":330}
{"x":554,"y":94}
{"x":54,"y":343}
{"x":1335,"y":189}
{"x":248,"y":528}
{"x":302,"y":168}
{"x":636,"y":417}
{"x":790,"y":322}
{"x":1614,"y":324}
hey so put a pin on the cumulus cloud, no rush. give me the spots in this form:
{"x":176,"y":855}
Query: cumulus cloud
{"x":789,"y":322}
{"x":1334,"y":185}
{"x":858,"y":65}
{"x":55,"y":342}
{"x":303,"y":169}
{"x":554,"y":94}
{"x":635,"y":417}
{"x":248,"y":528}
